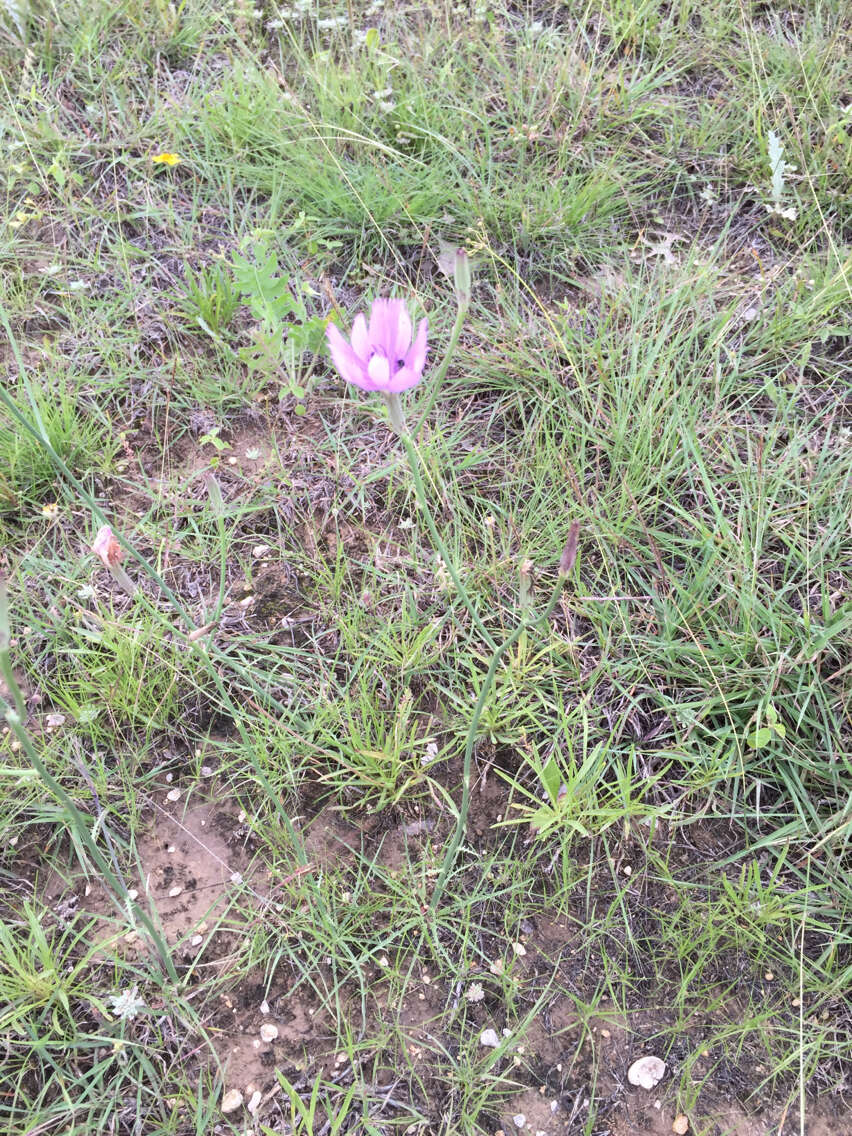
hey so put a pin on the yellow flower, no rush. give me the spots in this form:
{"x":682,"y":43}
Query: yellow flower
{"x":50,"y":511}
{"x":166,"y":159}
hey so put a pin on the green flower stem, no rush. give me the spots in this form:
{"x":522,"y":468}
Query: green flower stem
{"x":422,"y":497}
{"x":464,"y":808}
{"x":442,"y":370}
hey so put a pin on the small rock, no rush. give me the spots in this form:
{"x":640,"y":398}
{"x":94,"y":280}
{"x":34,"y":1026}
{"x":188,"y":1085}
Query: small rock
{"x":175,"y":891}
{"x":646,"y":1072}
{"x":489,"y":1038}
{"x":196,"y":940}
{"x":264,"y":1007}
{"x":519,"y":949}
{"x":231,"y":1101}
{"x":268,"y":1032}
{"x":519,"y":1120}
{"x":173,"y":795}
{"x":254,"y":1102}
{"x":680,"y":1125}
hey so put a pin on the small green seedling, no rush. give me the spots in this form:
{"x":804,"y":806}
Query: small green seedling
{"x":761,"y":736}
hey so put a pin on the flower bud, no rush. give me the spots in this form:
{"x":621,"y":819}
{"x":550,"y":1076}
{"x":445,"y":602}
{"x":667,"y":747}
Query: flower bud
{"x":110,"y":553}
{"x":526,"y":585}
{"x":107,"y":548}
{"x":462,"y":277}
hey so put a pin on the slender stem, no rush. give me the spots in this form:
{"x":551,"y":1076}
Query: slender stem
{"x":464,"y":808}
{"x":438,"y":378}
{"x":422,"y":497}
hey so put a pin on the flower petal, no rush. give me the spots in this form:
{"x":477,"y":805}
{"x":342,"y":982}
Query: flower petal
{"x":379,"y":371}
{"x":348,"y":365}
{"x":404,"y":379}
{"x":416,"y":357}
{"x":383,"y":327}
{"x":360,"y":339}
{"x":403,"y":331}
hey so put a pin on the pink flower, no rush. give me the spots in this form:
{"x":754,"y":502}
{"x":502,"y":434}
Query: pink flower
{"x":381,"y":357}
{"x":107,"y":548}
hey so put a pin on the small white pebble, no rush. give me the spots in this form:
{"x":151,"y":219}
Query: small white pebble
{"x":172,"y":848}
{"x":268,"y":1032}
{"x":254,"y":1102}
{"x":173,"y":795}
{"x":489,"y":1039}
{"x":169,"y":778}
{"x":133,"y":894}
{"x":264,"y":1007}
{"x":232,"y":1100}
{"x":196,"y":940}
{"x":519,"y":949}
{"x":236,"y":878}
{"x":175,"y":891}
{"x":519,"y":1120}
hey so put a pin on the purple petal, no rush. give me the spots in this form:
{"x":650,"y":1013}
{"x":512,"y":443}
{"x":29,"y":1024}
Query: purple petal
{"x":415,"y":360}
{"x":388,"y":323}
{"x":381,"y":335}
{"x":348,"y":365}
{"x":403,"y":331}
{"x":360,"y":339}
{"x":403,"y":380}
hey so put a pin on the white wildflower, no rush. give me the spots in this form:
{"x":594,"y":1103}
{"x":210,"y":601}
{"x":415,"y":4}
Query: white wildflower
{"x":127,"y":1004}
